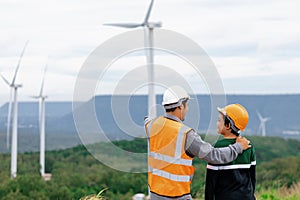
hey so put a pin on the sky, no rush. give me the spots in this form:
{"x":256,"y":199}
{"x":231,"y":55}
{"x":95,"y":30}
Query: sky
{"x":254,"y":45}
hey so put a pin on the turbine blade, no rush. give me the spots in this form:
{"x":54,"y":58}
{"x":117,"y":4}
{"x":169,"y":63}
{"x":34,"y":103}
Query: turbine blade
{"x":19,"y":62}
{"x":259,"y":116}
{"x":124,"y":25}
{"x":9,"y":118}
{"x":148,"y":12}
{"x":5,"y":80}
{"x":42,"y":86}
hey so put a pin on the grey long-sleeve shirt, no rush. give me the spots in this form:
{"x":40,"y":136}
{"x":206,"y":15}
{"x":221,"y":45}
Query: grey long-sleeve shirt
{"x":195,"y":146}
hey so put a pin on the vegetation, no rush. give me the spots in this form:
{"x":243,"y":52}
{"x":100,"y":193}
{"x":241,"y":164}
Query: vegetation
{"x":77,"y":174}
{"x":99,"y":196}
{"x":283,"y":193}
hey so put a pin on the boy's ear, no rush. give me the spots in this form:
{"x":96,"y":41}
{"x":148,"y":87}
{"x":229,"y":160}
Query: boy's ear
{"x":227,"y":126}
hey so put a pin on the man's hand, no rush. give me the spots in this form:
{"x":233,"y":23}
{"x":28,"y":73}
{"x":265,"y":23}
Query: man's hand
{"x":244,"y":142}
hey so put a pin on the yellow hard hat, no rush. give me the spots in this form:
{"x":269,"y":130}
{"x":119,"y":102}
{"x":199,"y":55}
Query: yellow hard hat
{"x":237,"y":113}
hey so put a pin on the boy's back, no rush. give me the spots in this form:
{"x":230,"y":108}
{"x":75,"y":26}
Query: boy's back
{"x":234,"y":180}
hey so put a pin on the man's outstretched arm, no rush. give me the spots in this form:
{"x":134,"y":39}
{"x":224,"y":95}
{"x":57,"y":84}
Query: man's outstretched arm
{"x":197,"y":147}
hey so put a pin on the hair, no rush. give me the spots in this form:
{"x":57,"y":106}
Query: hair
{"x":173,"y":109}
{"x":227,"y":123}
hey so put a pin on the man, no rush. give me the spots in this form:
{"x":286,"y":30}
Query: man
{"x":172,"y":146}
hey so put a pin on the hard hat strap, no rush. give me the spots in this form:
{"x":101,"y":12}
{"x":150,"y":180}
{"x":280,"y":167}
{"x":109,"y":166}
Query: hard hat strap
{"x":233,"y":127}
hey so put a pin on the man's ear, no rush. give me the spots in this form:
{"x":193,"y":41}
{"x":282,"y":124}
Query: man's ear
{"x":181,"y":106}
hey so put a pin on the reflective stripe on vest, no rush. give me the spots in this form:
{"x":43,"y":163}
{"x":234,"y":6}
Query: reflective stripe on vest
{"x":173,"y":177}
{"x":170,"y":159}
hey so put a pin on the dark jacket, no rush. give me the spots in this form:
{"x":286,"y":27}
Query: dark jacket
{"x":234,"y":180}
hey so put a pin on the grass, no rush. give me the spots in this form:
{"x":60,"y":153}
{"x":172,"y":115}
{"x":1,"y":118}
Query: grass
{"x":284,"y":193}
{"x":99,"y":196}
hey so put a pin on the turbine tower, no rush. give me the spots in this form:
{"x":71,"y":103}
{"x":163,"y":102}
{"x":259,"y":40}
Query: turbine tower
{"x":13,"y":92}
{"x":262,"y":126}
{"x":148,"y":27}
{"x":42,"y":98}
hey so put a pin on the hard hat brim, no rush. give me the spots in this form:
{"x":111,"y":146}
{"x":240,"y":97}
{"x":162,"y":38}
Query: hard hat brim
{"x":174,"y":105}
{"x":221,"y":110}
{"x":172,"y":101}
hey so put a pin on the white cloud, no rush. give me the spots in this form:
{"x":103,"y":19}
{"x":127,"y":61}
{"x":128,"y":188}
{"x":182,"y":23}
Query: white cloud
{"x":249,"y":38}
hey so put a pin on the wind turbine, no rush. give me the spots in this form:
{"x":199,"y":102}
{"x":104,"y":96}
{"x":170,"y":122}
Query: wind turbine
{"x":42,"y":98}
{"x":262,"y":126}
{"x":149,"y":27}
{"x":14,"y":89}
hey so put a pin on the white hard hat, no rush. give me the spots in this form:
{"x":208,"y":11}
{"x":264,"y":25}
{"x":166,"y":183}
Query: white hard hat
{"x":174,"y":96}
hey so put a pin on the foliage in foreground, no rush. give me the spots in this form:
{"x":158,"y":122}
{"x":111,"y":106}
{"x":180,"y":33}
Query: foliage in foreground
{"x":284,"y":193}
{"x":76,"y":174}
{"x":99,"y":196}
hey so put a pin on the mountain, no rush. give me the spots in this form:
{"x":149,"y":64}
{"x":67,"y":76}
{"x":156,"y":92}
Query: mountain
{"x":28,"y":115}
{"x":121,"y":117}
{"x":282,"y":109}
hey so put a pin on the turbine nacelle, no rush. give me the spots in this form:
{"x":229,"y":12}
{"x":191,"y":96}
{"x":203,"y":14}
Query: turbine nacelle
{"x":266,"y":119}
{"x":136,"y":25}
{"x":16,"y":86}
{"x":154,"y":25}
{"x":39,"y":97}
{"x":12,"y":84}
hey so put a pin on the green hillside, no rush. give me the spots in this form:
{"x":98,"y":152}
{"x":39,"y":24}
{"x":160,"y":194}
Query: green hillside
{"x":76,"y":173}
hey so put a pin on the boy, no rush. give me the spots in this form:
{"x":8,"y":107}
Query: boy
{"x":234,"y":180}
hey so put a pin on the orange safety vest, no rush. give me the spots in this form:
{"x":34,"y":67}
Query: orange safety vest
{"x":170,"y":169}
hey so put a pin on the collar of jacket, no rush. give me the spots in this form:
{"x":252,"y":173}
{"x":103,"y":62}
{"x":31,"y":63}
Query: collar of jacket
{"x":172,"y":117}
